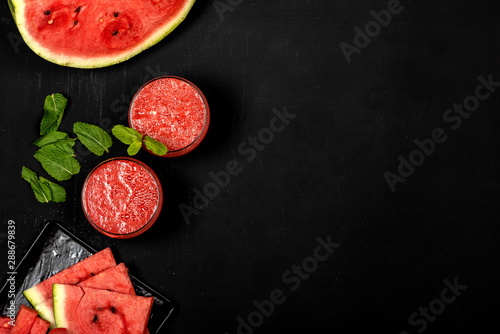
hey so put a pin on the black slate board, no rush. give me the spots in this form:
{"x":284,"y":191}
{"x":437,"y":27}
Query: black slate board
{"x":56,"y":249}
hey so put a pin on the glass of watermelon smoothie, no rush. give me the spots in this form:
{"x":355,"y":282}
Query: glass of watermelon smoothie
{"x":173,"y":111}
{"x":122,"y":197}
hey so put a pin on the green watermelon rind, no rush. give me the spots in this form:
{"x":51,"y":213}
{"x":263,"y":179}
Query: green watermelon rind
{"x":11,"y":6}
{"x":46,"y":313}
{"x":17,"y":8}
{"x":33,"y":295}
{"x":59,"y":293}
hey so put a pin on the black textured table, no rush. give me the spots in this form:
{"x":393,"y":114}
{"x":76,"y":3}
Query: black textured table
{"x":347,"y":183}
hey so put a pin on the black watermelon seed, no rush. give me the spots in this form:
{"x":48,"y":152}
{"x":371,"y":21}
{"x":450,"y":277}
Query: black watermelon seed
{"x":92,"y":274}
{"x":114,"y":32}
{"x":78,"y":9}
{"x":75,"y":23}
{"x":47,"y":12}
{"x":113,"y":310}
{"x":95,"y":318}
{"x":116,"y":14}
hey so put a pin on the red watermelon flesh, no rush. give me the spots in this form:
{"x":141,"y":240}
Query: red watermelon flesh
{"x":85,"y":310}
{"x":40,"y":326}
{"x":76,"y":273}
{"x":24,"y":320}
{"x":5,"y":325}
{"x":115,"y":279}
{"x":95,"y":33}
{"x":59,"y":331}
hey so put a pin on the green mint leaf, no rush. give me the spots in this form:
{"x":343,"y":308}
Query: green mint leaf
{"x":54,"y":137}
{"x":46,"y":190}
{"x":54,"y":109}
{"x":57,"y":162}
{"x":126,"y":135}
{"x":155,"y":146}
{"x":66,"y":147}
{"x":95,"y":139}
{"x":57,"y":191}
{"x":42,"y":194}
{"x":134,"y":148}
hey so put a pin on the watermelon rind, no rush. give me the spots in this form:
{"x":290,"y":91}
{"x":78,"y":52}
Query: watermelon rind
{"x":59,"y":293}
{"x":33,"y":295}
{"x":46,"y":312}
{"x":17,"y":8}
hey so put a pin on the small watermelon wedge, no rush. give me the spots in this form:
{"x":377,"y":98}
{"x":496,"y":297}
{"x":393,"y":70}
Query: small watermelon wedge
{"x":76,"y":273}
{"x":115,"y":279}
{"x":24,"y":320}
{"x":40,"y":326}
{"x":85,"y":310}
{"x":95,"y":33}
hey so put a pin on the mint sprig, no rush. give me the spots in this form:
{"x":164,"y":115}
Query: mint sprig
{"x":134,"y":139}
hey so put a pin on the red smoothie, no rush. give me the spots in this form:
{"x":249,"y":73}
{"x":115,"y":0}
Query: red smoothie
{"x":173,"y":111}
{"x":122,"y":197}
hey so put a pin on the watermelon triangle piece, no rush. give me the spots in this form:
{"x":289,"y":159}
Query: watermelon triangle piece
{"x":115,"y":279}
{"x":24,"y":320}
{"x":40,"y":326}
{"x":85,"y":310}
{"x":76,"y":273}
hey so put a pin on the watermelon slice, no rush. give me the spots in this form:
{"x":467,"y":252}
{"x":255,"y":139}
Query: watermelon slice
{"x":115,"y":279}
{"x":95,"y":33}
{"x":85,"y":310}
{"x":40,"y":326}
{"x":76,"y":273}
{"x":24,"y":320}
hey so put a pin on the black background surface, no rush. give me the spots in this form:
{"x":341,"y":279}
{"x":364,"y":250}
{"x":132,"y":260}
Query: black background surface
{"x":323,"y":175}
